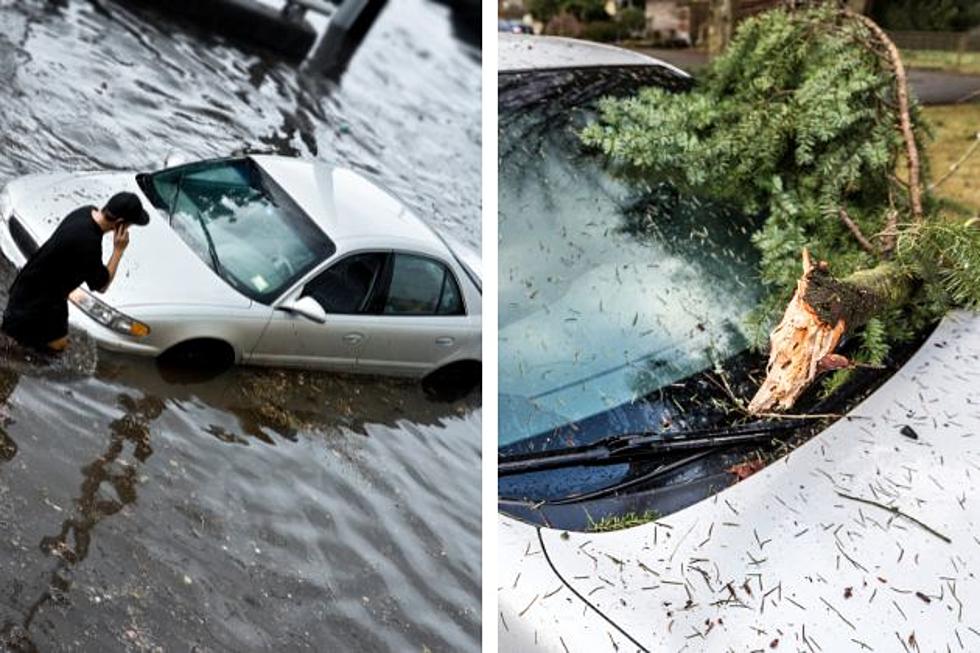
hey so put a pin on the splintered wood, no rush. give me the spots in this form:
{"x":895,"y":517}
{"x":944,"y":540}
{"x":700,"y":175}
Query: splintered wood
{"x":801,"y":346}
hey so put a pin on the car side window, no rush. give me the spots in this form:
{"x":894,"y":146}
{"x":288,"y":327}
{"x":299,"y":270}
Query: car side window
{"x":451,"y":302}
{"x":421,"y":286}
{"x":346,"y":286}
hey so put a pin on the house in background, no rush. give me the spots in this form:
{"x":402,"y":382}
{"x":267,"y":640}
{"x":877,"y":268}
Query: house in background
{"x":690,"y":22}
{"x":677,"y":22}
{"x":669,"y":21}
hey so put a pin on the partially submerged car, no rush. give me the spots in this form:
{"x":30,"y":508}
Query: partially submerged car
{"x":625,"y":306}
{"x":267,"y":260}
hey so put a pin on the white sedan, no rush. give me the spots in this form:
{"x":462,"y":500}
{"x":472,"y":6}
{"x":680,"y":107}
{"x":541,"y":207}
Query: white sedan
{"x":266,"y":260}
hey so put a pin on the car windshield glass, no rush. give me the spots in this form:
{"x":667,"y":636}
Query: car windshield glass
{"x":610,"y":289}
{"x":241,"y":223}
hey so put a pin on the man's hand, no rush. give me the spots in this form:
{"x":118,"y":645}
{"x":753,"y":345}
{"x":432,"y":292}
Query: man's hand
{"x":120,"y":239}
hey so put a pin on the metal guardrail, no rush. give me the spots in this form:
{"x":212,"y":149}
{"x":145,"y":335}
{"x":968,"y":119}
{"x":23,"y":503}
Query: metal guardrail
{"x":285,"y":28}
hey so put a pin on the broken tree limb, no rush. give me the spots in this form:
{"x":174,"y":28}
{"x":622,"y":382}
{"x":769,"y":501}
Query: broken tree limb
{"x":855,"y":231}
{"x":904,"y":115}
{"x":822,"y":310}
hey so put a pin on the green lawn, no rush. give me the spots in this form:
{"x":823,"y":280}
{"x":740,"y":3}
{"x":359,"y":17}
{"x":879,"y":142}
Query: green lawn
{"x":967,"y":62}
{"x":955,"y":128}
{"x":628,"y":520}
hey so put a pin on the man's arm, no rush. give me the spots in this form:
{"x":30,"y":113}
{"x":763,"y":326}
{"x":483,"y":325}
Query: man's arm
{"x":120,"y":240}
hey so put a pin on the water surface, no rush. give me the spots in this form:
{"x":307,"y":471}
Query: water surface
{"x":262,"y":509}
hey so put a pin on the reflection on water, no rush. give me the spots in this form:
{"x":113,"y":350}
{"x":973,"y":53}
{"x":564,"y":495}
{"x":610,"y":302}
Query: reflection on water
{"x":262,"y":509}
{"x":71,"y":545}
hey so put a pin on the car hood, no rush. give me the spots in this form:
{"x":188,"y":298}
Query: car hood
{"x":157,"y":268}
{"x":810,"y":540}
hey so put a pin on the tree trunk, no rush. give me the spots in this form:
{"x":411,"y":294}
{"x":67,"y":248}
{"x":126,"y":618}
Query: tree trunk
{"x":720,"y":24}
{"x":822,"y":310}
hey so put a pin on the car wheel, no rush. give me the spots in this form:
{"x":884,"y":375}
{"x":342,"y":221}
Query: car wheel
{"x":196,"y":360}
{"x":454,"y":381}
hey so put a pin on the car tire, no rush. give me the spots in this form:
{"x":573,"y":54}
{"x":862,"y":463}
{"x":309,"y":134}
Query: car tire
{"x":453,"y":381}
{"x":196,"y":360}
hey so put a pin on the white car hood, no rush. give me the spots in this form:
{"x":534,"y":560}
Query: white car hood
{"x":157,"y":268}
{"x":788,"y":556}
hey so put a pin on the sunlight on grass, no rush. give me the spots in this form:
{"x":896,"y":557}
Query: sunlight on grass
{"x":964,"y":62}
{"x":620,"y":522}
{"x":955,"y":128}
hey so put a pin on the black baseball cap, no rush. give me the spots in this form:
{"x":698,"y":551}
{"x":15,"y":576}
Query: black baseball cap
{"x":128,"y":208}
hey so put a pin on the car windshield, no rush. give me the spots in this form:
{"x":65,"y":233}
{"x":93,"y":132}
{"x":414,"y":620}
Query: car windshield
{"x":241,"y":223}
{"x":611,"y":289}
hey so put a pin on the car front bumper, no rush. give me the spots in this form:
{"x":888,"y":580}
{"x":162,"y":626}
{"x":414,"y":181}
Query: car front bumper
{"x":107,"y":338}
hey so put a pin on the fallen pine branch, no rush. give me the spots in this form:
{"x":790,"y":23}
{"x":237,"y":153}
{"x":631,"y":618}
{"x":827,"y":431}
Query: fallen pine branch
{"x":769,"y":131}
{"x":904,"y":115}
{"x":896,"y":511}
{"x":822,"y":310}
{"x":855,"y":230}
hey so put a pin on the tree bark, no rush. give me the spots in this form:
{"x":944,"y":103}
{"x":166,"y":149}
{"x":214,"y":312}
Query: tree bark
{"x":822,"y":310}
{"x":720,"y":26}
{"x":904,"y":116}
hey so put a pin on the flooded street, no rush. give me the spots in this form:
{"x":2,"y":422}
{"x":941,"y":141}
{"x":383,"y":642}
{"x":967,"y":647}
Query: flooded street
{"x":262,"y":509}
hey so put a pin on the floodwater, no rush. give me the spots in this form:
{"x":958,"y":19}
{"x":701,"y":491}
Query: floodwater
{"x":262,"y":509}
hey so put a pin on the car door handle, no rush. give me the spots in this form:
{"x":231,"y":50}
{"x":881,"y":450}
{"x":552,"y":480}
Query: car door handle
{"x":353,"y":338}
{"x":445,"y":341}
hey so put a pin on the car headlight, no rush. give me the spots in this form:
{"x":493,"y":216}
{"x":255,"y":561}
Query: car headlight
{"x":6,"y":204}
{"x":107,"y":315}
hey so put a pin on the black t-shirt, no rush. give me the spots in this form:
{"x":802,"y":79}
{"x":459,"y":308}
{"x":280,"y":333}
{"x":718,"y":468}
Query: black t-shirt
{"x":71,"y":256}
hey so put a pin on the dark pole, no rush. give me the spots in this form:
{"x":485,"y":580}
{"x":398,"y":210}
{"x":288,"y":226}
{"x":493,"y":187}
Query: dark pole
{"x":347,"y":28}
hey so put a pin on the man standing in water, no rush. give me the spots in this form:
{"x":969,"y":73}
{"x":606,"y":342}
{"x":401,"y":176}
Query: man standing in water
{"x":37,"y":312}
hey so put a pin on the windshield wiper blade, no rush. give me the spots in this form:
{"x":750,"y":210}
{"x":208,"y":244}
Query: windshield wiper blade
{"x":211,"y":249}
{"x":634,"y":446}
{"x":212,"y":252}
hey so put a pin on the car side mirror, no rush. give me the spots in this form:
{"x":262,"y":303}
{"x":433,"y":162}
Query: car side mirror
{"x":308,"y":308}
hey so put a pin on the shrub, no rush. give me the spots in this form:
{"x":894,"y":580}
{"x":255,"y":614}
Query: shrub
{"x":604,"y":31}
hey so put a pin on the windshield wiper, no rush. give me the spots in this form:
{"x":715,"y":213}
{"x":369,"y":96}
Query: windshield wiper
{"x":633,"y":446}
{"x":212,"y":252}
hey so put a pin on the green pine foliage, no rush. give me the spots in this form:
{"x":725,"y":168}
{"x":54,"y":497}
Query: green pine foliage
{"x":796,"y":121}
{"x":945,"y":254}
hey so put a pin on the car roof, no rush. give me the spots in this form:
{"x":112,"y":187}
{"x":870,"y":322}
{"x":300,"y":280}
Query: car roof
{"x":354,"y":212}
{"x":522,"y":52}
